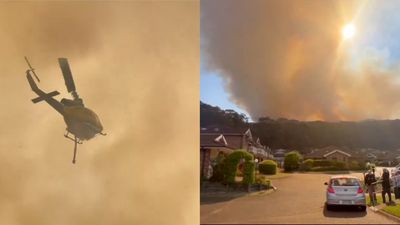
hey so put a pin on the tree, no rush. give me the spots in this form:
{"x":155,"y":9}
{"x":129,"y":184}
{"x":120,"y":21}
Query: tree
{"x":292,"y":161}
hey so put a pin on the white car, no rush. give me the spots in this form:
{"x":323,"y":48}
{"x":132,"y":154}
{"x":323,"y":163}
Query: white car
{"x":345,"y":190}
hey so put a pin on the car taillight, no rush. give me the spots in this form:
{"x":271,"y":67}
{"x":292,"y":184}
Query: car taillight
{"x":331,"y":190}
{"x":360,"y":190}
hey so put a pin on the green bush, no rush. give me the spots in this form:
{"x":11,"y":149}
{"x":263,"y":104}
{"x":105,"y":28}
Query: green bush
{"x":306,"y":165}
{"x":218,"y":172}
{"x":292,"y":161}
{"x":339,"y":164}
{"x":327,"y":168}
{"x":322,"y":163}
{"x":249,"y":172}
{"x":267,"y":167}
{"x":231,"y":163}
{"x":355,"y":165}
{"x":262,"y":180}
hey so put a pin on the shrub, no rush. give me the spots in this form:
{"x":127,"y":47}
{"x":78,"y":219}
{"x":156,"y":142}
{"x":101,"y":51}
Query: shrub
{"x":306,"y":165}
{"x":262,"y":180}
{"x":267,"y":167}
{"x":327,"y":168}
{"x":231,"y":163}
{"x":339,"y":164}
{"x":322,"y":163}
{"x":292,"y":161}
{"x":218,"y":172}
{"x":355,"y":165}
{"x":249,"y":172}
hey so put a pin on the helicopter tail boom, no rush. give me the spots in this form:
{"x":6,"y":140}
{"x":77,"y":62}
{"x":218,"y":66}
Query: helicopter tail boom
{"x":48,"y":97}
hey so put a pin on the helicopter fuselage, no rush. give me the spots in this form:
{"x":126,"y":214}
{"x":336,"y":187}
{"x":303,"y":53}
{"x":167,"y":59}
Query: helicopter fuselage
{"x":82,"y":122}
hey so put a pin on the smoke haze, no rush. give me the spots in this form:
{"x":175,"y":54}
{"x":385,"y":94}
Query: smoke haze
{"x":133,"y":64}
{"x":287,"y":58}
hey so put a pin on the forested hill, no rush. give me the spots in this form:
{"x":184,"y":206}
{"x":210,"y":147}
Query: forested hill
{"x":293,"y":134}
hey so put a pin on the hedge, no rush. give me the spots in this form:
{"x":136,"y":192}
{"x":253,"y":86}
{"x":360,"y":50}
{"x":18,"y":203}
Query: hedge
{"x":249,"y":172}
{"x":218,"y":172}
{"x":292,"y":161}
{"x":307,"y":165}
{"x":262,"y":180}
{"x":231,"y":163}
{"x":328,"y":163}
{"x":327,"y":168}
{"x":267,"y":167}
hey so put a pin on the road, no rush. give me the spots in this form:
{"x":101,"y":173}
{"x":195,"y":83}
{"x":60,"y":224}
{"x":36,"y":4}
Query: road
{"x":299,"y":199}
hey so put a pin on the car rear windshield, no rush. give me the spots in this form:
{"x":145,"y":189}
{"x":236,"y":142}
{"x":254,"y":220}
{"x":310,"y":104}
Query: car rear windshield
{"x":345,"y":182}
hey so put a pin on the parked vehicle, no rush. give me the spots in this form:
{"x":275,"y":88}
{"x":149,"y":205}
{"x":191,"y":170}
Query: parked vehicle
{"x":345,"y":190}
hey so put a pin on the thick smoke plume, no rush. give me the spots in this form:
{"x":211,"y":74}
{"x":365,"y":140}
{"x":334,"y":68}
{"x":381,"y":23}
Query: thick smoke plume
{"x":287,"y":59}
{"x":133,"y":64}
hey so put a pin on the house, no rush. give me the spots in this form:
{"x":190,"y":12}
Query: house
{"x":279,"y":156}
{"x":237,"y":138}
{"x":259,"y":151}
{"x":215,"y":139}
{"x":329,"y":153}
{"x":338,"y":155}
{"x":210,"y":146}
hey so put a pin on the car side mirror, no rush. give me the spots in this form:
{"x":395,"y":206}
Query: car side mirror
{"x":326,"y":183}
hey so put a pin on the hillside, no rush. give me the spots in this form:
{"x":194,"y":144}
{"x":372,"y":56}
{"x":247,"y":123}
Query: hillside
{"x":293,"y":134}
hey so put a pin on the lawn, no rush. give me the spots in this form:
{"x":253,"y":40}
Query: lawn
{"x":378,"y":198}
{"x":393,"y":210}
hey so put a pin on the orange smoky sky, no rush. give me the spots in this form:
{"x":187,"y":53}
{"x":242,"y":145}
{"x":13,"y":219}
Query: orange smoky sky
{"x":288,"y":59}
{"x":136,"y":65}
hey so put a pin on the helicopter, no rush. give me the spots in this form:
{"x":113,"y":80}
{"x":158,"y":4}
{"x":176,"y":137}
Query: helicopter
{"x":82,"y":123}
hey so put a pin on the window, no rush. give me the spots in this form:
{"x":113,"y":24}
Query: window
{"x":345,"y":182}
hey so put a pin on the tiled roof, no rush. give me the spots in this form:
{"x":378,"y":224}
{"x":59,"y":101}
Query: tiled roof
{"x":337,"y":151}
{"x":212,"y":140}
{"x":235,"y":141}
{"x":323,"y":152}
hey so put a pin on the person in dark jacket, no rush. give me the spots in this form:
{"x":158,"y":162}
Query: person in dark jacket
{"x":370,"y":182}
{"x":386,"y":186}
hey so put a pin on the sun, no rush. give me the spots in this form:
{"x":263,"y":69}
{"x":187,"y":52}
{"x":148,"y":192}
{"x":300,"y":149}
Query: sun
{"x":348,"y":31}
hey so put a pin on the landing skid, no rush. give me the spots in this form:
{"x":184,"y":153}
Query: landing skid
{"x":76,"y":142}
{"x":74,"y":139}
{"x":75,"y":148}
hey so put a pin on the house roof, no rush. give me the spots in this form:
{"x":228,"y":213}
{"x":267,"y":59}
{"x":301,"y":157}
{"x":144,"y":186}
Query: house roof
{"x":235,"y":137}
{"x":324,"y":152}
{"x":213,"y":140}
{"x":337,"y":151}
{"x":279,"y":152}
{"x":235,"y":141}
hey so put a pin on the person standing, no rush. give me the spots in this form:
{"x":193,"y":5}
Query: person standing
{"x":386,"y":186}
{"x":396,"y":181}
{"x":370,"y":181}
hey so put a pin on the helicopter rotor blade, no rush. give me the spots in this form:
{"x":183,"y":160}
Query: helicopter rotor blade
{"x":66,"y":71}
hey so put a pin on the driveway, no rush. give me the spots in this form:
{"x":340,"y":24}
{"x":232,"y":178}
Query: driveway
{"x":299,"y":199}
